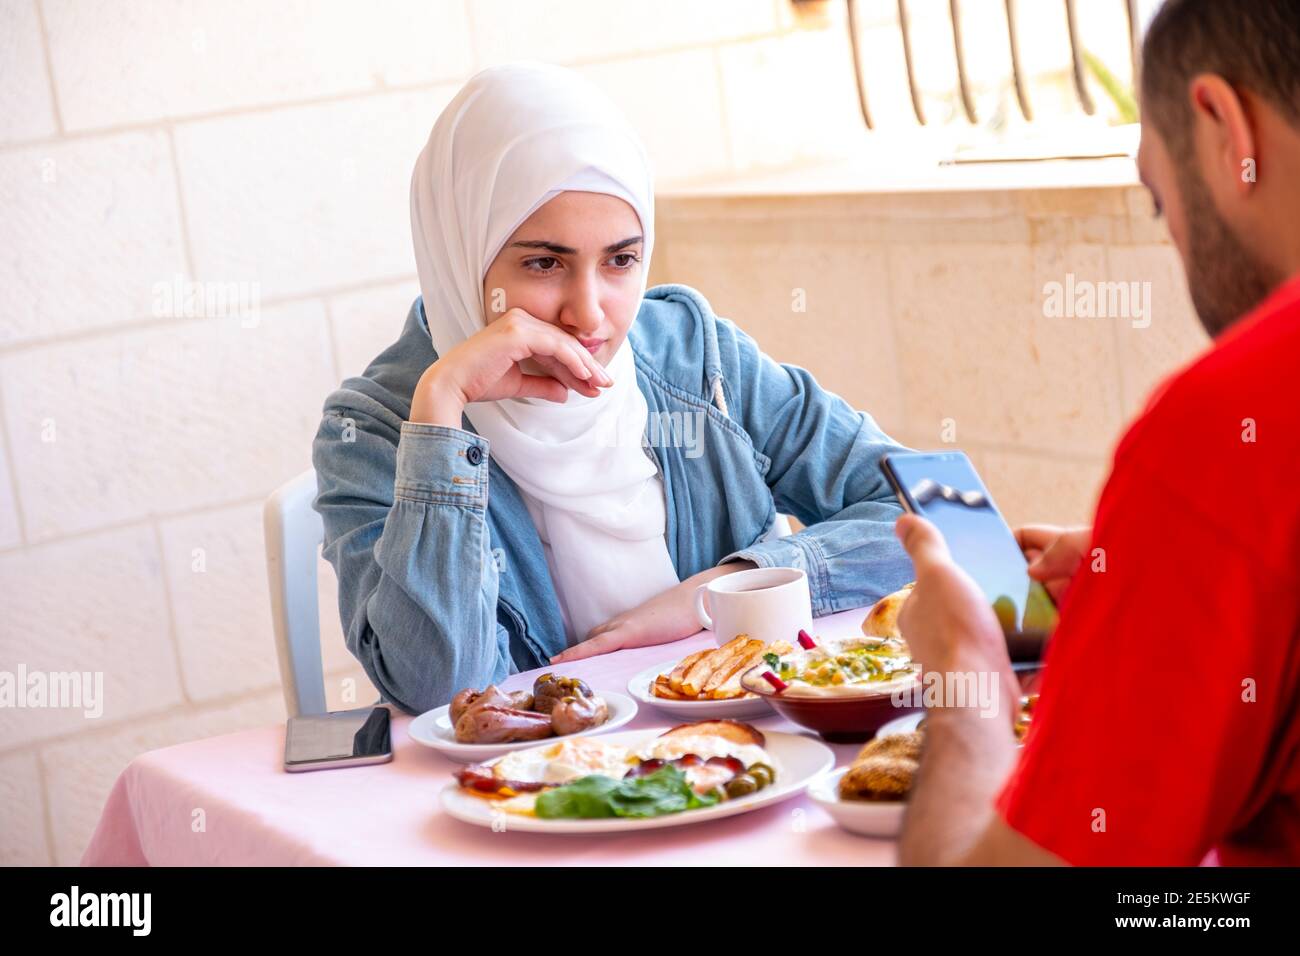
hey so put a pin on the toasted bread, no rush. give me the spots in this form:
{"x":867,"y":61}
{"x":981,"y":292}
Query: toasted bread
{"x":884,"y":768}
{"x":878,"y":778}
{"x":734,"y":666}
{"x":894,"y":745}
{"x":730,"y":693}
{"x":698,"y":673}
{"x":685,"y":664}
{"x":736,"y":731}
{"x":661,"y":688}
{"x":882,"y":619}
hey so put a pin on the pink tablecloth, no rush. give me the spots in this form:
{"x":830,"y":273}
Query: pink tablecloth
{"x":254,"y":813}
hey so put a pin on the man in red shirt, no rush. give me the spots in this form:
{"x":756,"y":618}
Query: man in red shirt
{"x":1169,"y":721}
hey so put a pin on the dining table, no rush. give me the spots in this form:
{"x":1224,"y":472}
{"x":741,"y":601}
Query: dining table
{"x":228,"y":801}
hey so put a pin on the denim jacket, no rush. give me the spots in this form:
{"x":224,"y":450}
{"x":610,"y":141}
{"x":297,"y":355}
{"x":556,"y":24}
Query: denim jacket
{"x":443,"y":583}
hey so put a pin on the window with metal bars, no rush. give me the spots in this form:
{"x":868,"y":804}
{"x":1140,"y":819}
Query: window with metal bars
{"x":1052,"y":31}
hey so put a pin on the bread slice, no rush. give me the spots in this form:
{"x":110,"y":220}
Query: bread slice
{"x":677,"y":673}
{"x":882,"y":619}
{"x":879,"y":777}
{"x":745,"y":658}
{"x":698,"y":673}
{"x":736,"y":731}
{"x":732,"y":693}
{"x":894,"y":745}
{"x":661,"y":688}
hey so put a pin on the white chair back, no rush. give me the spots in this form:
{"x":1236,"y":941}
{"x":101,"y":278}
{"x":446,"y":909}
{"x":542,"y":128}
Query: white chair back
{"x":294,"y":534}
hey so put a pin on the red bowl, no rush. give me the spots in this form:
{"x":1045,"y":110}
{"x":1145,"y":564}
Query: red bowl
{"x":841,"y":719}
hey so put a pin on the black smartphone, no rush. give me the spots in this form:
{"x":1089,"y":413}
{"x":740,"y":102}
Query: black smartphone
{"x":341,"y":738}
{"x":944,"y":488}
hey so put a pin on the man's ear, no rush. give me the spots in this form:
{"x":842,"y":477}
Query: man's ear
{"x":1223,"y":130}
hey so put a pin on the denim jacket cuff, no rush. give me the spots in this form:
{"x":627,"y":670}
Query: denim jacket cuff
{"x":439,"y":464}
{"x":792,"y":551}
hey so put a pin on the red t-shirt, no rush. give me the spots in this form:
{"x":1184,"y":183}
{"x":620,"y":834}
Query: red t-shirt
{"x":1169,"y":721}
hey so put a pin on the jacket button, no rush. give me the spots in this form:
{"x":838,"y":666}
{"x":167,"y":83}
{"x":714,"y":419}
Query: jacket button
{"x":474,"y":454}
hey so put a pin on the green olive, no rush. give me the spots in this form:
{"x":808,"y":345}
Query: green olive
{"x":740,"y":785}
{"x":763,"y":774}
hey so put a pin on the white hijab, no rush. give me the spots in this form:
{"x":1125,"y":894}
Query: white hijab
{"x":514,"y":137}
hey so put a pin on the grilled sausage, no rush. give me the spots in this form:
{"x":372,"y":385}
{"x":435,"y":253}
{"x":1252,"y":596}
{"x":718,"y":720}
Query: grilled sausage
{"x":493,"y":724}
{"x":576,"y":713}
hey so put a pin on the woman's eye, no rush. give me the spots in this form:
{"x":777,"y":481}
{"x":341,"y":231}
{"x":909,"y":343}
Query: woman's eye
{"x":624,"y":260}
{"x":542,"y":264}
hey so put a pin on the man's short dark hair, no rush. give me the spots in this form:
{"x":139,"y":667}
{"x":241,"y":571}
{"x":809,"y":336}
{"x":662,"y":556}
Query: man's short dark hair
{"x":1253,"y":44}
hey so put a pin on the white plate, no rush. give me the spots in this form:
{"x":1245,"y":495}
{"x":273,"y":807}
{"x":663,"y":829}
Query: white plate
{"x":901,"y":725}
{"x":796,"y":759}
{"x":738,"y":709}
{"x":433,"y":729}
{"x":881,"y":819}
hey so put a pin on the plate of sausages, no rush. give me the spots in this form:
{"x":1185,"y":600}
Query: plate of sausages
{"x":481,"y":724}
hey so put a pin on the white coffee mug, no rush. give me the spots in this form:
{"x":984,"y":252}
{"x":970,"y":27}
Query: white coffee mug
{"x":770,"y":604}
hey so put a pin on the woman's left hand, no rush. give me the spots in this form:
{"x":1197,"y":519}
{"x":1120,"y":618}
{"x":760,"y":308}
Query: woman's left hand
{"x":665,"y":618}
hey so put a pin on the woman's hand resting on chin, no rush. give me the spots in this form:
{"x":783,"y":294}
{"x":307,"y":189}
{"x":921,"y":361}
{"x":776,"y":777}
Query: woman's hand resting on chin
{"x":486,"y":367}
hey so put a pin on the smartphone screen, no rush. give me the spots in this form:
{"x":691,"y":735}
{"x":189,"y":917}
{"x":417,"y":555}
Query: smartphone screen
{"x":341,"y":738}
{"x":944,"y":488}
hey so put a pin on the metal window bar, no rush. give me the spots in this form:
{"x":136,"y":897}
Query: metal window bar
{"x":1130,"y":7}
{"x":1080,"y":79}
{"x":963,"y":85}
{"x":904,"y":26}
{"x":1013,"y":39}
{"x":1079,"y":67}
{"x":857,"y":63}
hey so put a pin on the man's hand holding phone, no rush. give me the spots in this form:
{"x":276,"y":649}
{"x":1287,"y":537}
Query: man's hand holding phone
{"x":947,"y":620}
{"x":943,"y":488}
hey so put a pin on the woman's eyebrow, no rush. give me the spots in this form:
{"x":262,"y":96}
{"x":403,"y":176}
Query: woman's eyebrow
{"x":543,"y":244}
{"x":569,"y":250}
{"x":632,"y":241}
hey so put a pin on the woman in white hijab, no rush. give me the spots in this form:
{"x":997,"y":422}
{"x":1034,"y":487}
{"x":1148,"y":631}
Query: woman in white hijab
{"x":565,"y":165}
{"x":622,"y":478}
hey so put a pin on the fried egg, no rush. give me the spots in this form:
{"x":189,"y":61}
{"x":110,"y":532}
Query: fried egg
{"x":524,"y":805}
{"x":563,"y":761}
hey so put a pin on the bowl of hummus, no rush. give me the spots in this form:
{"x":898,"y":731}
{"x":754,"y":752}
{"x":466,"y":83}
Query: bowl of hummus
{"x":844,"y":688}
